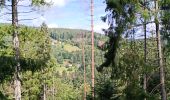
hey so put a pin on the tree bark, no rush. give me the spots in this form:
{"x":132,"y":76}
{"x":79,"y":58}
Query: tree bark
{"x":92,"y":49}
{"x":17,"y":82}
{"x":44,"y":92}
{"x":161,"y":67}
{"x":145,"y":54}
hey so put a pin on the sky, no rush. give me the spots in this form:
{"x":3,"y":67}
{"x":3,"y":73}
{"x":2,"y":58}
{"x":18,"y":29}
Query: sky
{"x":74,"y":14}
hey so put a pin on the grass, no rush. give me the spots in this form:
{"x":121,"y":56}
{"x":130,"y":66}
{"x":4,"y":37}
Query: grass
{"x":67,"y":47}
{"x":71,"y":48}
{"x":62,"y":68}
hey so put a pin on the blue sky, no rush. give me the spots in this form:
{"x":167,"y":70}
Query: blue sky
{"x":62,"y":14}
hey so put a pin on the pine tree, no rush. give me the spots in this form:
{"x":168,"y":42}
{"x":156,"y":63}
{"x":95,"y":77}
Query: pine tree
{"x":17,"y":80}
{"x":119,"y":20}
{"x":16,"y":44}
{"x":122,"y":15}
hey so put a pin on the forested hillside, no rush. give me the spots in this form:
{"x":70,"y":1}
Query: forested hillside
{"x":51,"y":59}
{"x":130,"y":61}
{"x":53,"y":66}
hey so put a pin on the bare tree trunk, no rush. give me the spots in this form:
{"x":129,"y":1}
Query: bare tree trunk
{"x":162,"y":73}
{"x":145,"y":54}
{"x":17,"y":82}
{"x":83,"y":62}
{"x":44,"y":91}
{"x":92,"y":49}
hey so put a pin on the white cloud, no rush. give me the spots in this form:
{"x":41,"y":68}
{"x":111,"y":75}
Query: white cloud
{"x":52,"y":25}
{"x":35,"y":22}
{"x":39,"y":21}
{"x":42,"y":19}
{"x":98,"y":27}
{"x":58,"y":3}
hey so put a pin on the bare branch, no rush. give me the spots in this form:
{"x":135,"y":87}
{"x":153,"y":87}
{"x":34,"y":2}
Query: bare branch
{"x":5,"y":14}
{"x":17,"y":5}
{"x":27,"y":19}
{"x":7,"y":8}
{"x":138,"y":25}
{"x":24,"y":5}
{"x":155,"y":88}
{"x":27,"y":11}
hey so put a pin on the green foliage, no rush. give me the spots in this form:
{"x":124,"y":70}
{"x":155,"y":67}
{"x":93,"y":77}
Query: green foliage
{"x":39,"y":2}
{"x":121,"y":13}
{"x":35,"y":47}
{"x":62,"y":91}
{"x":3,"y":97}
{"x":34,"y":52}
{"x":165,"y":16}
{"x":135,"y":92}
{"x":126,"y":60}
{"x":5,"y":52}
{"x":145,"y":14}
{"x":106,"y":89}
{"x":39,"y":56}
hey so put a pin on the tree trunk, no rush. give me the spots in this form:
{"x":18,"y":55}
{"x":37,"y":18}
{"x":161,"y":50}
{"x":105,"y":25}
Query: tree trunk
{"x":92,"y":49}
{"x":17,"y":82}
{"x":44,"y":91}
{"x":145,"y":54}
{"x":83,"y":63}
{"x":161,"y":67}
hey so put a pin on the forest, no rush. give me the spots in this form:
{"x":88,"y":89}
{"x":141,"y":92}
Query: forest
{"x":130,"y":61}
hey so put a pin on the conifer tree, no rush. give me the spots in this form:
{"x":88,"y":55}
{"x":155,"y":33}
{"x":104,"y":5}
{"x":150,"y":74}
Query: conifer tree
{"x":16,"y":43}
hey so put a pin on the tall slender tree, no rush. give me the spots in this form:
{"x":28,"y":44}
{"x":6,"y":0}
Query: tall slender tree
{"x":45,"y":51}
{"x":16,"y":44}
{"x":17,"y":80}
{"x":120,"y":15}
{"x":145,"y":52}
{"x":92,"y":49}
{"x":159,"y":47}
